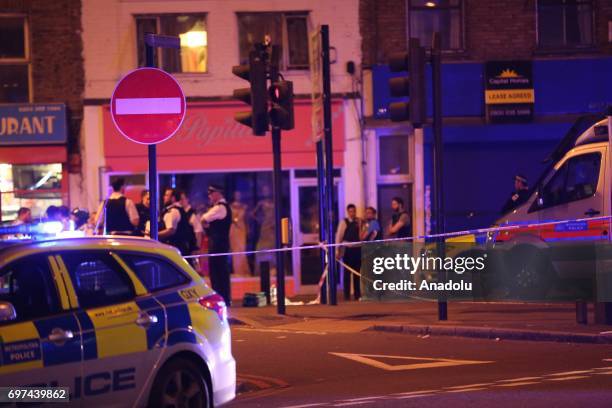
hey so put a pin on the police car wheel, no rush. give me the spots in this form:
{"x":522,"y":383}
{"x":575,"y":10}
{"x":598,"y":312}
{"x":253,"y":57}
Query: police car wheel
{"x":180,"y":384}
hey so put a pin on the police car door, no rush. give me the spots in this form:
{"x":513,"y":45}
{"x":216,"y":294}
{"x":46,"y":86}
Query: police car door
{"x":575,"y":192}
{"x":114,"y":328}
{"x":41,"y":346}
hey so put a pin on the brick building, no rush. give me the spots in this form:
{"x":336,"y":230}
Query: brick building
{"x":41,"y":90}
{"x":211,"y":147}
{"x":565,"y":48}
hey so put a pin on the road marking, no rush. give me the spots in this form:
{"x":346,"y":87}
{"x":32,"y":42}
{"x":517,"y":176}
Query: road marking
{"x":416,"y":396}
{"x":467,"y":390}
{"x":369,"y":359}
{"x":279,"y":331}
{"x":522,"y":379}
{"x":360,"y":399}
{"x":570,"y":373}
{"x":574,"y":377}
{"x":320,"y":404}
{"x":415,"y":392}
{"x":516,"y":384}
{"x":147,"y":106}
{"x":458,"y":387}
{"x":344,"y":404}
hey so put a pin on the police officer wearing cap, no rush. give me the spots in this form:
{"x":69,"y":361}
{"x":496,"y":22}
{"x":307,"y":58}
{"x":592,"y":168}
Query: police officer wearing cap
{"x":217,"y":222}
{"x":519,"y":196}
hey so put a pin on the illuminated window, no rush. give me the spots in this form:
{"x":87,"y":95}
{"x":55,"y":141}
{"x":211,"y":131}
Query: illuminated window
{"x":443,"y":16}
{"x":192,"y":31}
{"x":565,"y":23}
{"x":14,"y":59}
{"x":289,"y":30}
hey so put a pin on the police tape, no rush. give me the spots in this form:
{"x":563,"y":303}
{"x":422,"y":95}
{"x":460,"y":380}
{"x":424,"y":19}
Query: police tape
{"x":478,"y":231}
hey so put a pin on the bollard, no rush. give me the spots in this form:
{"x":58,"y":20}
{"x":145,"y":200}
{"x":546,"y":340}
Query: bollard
{"x":581,"y":312}
{"x":264,"y":277}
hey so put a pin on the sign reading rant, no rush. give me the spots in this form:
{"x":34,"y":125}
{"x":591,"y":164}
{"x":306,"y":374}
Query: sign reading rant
{"x":32,"y":124}
{"x":509,"y":94}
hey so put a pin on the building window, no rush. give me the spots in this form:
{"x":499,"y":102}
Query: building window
{"x":14,"y":60}
{"x":443,"y":16}
{"x":565,"y":23}
{"x":289,"y":30}
{"x":192,"y":31}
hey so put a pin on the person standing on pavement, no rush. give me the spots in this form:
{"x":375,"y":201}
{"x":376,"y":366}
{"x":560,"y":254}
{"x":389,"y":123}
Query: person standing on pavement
{"x":175,"y":229}
{"x":400,"y":227}
{"x":194,"y":226}
{"x":119,"y":212}
{"x":348,"y":231}
{"x":370,"y":230}
{"x":144,"y":211}
{"x":217,"y":222}
{"x":24,"y":216}
{"x":518,"y":196}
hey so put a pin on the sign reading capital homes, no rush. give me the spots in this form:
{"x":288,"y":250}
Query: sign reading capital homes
{"x":32,"y":124}
{"x":509,"y":94}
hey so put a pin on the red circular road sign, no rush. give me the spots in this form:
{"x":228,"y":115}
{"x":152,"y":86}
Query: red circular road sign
{"x":148,"y":106}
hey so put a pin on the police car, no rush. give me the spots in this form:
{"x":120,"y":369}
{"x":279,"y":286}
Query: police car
{"x":120,"y":321}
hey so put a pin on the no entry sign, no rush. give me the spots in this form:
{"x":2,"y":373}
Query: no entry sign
{"x":148,"y":106}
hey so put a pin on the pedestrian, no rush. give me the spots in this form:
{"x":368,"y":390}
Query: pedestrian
{"x":24,"y":216}
{"x":119,"y":213}
{"x":518,"y":196}
{"x":193,"y":227}
{"x":370,"y":230}
{"x":348,"y":231}
{"x":144,"y":211}
{"x":217,"y":222}
{"x":400,"y":226}
{"x":174,"y":226}
{"x":52,"y":213}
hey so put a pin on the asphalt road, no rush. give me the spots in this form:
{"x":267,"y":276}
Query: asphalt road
{"x":288,"y":368}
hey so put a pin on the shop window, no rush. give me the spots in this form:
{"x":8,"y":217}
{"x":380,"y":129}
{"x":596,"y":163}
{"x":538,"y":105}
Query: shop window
{"x":14,"y":60}
{"x":289,"y":30}
{"x":35,"y":186}
{"x":192,"y":57}
{"x":565,"y":23}
{"x":443,"y":16}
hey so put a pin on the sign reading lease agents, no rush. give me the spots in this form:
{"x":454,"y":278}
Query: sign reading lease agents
{"x":509,"y":94}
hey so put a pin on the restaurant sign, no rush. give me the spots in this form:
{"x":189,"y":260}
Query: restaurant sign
{"x":509,"y":94}
{"x":32,"y":124}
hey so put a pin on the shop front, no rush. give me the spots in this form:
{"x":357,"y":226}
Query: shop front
{"x":33,"y":158}
{"x":210,"y":148}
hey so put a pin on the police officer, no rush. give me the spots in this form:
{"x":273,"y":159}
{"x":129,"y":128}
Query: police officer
{"x":519,"y":196}
{"x":119,"y":212}
{"x":217,"y":221}
{"x":144,"y":211}
{"x":348,"y":231}
{"x":176,"y":230}
{"x":400,"y":227}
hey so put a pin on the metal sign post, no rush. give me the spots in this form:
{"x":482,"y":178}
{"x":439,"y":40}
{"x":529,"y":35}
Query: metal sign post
{"x":329,"y":165}
{"x":436,"y":67}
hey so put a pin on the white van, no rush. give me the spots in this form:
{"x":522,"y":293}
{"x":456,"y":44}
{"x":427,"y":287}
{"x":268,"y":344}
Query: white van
{"x":577,"y":187}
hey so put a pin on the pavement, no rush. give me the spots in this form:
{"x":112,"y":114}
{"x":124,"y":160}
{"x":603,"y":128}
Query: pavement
{"x":495,"y":320}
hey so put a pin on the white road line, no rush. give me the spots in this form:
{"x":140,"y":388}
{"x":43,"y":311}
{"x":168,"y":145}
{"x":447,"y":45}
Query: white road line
{"x":520,"y":379}
{"x":361,"y":399}
{"x":517,"y":384}
{"x":569,"y":373}
{"x":147,"y":106}
{"x":415,"y":396}
{"x":414,"y":393}
{"x":344,"y":404}
{"x":458,"y":387}
{"x":573,"y":377}
{"x":466,"y":390}
{"x":318,"y":404}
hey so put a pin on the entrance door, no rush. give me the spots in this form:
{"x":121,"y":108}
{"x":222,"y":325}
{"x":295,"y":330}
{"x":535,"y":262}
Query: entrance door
{"x":305,"y":215}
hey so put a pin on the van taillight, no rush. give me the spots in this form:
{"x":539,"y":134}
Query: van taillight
{"x":216,"y":303}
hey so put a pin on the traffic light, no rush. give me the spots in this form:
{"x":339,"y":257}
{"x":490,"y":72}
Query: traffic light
{"x":412,"y":85}
{"x":256,"y":95}
{"x":281,"y":112}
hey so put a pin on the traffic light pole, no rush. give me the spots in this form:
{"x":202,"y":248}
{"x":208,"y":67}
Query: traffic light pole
{"x":329,"y":163}
{"x":436,"y":68}
{"x":277,"y":182}
{"x":322,"y":213}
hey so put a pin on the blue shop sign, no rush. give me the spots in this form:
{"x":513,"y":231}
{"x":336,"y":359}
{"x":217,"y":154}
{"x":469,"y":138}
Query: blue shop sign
{"x":33,"y":124}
